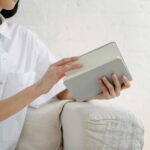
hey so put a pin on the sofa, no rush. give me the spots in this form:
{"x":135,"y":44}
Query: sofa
{"x":94,"y":125}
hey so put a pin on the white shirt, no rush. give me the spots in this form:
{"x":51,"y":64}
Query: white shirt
{"x":23,"y":60}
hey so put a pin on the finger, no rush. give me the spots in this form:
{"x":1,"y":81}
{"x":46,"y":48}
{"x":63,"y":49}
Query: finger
{"x":126,"y":82}
{"x":109,"y":87}
{"x":104,"y":90}
{"x":70,"y":67}
{"x":61,"y":70}
{"x":117,"y":84}
{"x":66,"y":60}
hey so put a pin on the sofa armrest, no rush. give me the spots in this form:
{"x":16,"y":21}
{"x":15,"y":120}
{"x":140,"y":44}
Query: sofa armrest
{"x":42,"y":128}
{"x":100,"y":126}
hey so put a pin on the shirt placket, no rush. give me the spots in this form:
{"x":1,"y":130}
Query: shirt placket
{"x":3,"y":78}
{"x":3,"y":70}
{"x":3,"y":61}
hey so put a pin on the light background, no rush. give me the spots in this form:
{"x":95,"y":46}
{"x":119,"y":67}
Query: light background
{"x":72,"y":27}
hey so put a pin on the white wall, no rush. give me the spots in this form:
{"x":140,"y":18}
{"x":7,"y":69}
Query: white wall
{"x":72,"y":27}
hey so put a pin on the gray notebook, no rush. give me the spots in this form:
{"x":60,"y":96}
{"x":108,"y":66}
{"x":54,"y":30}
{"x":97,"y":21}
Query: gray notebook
{"x":83,"y":83}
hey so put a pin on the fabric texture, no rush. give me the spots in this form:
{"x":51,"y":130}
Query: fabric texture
{"x":100,"y":126}
{"x":42,"y":128}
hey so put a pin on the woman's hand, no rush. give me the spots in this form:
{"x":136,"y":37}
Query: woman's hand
{"x":55,"y":72}
{"x":109,"y":90}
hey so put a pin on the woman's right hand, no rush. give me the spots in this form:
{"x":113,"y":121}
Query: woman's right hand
{"x":55,"y":72}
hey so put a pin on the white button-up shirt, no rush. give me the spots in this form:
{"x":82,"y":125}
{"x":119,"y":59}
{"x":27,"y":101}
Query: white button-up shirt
{"x":23,"y":60}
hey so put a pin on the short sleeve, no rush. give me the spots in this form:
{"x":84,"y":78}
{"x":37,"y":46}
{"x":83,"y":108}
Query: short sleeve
{"x":44,"y":58}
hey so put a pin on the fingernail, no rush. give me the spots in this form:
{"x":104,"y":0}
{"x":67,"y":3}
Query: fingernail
{"x":114,"y":75}
{"x":124,"y":77}
{"x":104,"y":77}
{"x":75,"y":58}
{"x":114,"y":95}
{"x":80,"y":65}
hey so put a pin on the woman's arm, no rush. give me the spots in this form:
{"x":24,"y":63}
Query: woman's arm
{"x":54,"y":73}
{"x":17,"y":102}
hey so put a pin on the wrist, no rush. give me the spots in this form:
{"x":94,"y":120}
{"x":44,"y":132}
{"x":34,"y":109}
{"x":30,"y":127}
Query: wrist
{"x":43,"y":87}
{"x":37,"y":89}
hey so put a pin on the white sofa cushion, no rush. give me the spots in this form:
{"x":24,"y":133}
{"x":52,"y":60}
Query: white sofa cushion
{"x":100,"y":126}
{"x":42,"y":128}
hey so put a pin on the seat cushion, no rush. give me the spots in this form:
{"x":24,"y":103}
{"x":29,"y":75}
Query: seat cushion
{"x":100,"y":126}
{"x":42,"y":128}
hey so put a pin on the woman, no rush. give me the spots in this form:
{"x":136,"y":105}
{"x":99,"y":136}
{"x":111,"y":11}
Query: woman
{"x":28,"y":71}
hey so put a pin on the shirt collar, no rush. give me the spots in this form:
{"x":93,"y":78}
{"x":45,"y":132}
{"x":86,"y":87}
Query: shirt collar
{"x":4,"y":28}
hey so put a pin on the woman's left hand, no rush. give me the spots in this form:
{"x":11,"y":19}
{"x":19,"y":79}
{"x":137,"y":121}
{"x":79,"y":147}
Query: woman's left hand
{"x":110,"y":90}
